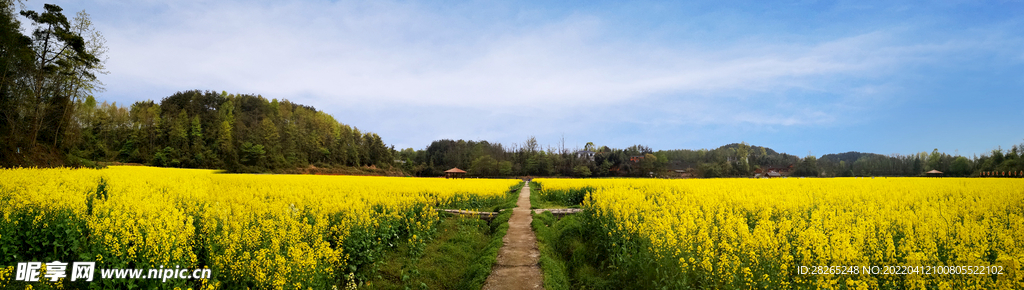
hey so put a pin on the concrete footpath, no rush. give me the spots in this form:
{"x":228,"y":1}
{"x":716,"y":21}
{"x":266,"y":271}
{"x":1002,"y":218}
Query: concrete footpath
{"x":517,"y":266}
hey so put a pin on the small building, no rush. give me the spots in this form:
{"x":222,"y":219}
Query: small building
{"x":773,"y":171}
{"x":684,"y":173}
{"x":933,"y":173}
{"x":455,"y":173}
{"x":636,"y":158}
{"x":614,"y":170}
{"x":585,"y":154}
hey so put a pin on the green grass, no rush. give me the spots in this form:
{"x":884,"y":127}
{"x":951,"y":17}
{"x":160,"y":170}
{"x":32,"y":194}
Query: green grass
{"x":569,"y":257}
{"x":459,"y":255}
{"x":551,"y":264}
{"x":536,"y":202}
{"x":556,"y":199}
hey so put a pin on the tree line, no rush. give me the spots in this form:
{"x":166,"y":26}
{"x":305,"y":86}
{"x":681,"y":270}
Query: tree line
{"x":486,"y":159}
{"x":869,"y":164}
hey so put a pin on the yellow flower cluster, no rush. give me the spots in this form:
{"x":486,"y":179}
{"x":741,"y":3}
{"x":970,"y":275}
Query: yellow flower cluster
{"x":774,"y":234}
{"x":258,"y":231}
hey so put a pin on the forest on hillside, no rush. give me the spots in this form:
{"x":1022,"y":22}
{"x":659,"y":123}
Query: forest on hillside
{"x":239,"y":133}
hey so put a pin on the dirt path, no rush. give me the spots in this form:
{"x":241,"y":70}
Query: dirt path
{"x":517,"y":265}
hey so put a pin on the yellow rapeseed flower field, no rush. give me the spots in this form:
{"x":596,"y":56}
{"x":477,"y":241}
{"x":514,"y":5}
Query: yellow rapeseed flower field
{"x":252,"y":231}
{"x":793,"y":233}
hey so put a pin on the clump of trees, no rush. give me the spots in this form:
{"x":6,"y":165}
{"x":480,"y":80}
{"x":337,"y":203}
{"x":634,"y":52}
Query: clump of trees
{"x":240,"y":133}
{"x":43,"y":76}
{"x":486,"y":159}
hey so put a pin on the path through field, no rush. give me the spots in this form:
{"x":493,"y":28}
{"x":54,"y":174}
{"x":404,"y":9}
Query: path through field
{"x":517,"y":265}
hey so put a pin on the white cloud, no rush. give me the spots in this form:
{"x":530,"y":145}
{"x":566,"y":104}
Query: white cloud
{"x":366,"y":57}
{"x":388,"y":52}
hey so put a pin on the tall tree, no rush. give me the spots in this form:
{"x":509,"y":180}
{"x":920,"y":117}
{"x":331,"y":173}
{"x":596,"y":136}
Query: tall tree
{"x":15,"y":61}
{"x":60,"y":61}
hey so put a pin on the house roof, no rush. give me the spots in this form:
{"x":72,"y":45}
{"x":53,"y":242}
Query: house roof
{"x":454,"y":170}
{"x":934,"y":172}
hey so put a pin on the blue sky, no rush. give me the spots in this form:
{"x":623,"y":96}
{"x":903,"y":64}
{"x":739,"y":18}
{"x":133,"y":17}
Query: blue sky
{"x":802,"y":77}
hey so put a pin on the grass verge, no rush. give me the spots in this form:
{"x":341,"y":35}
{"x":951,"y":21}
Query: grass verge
{"x":460,"y":255}
{"x":568,"y":256}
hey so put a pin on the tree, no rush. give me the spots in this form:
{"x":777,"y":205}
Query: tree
{"x":934,"y":159}
{"x":147,"y":124}
{"x":225,"y":145}
{"x":582,"y":171}
{"x":742,"y":164}
{"x":198,"y":144}
{"x":484,"y":166}
{"x":531,"y":145}
{"x":606,"y":165}
{"x":61,"y":64}
{"x":960,"y":166}
{"x":178,"y":132}
{"x":589,"y":146}
{"x":272,"y":141}
{"x":709,"y":170}
{"x":505,"y":168}
{"x":648,"y":165}
{"x":807,"y":167}
{"x":15,"y":60}
{"x":253,"y":155}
